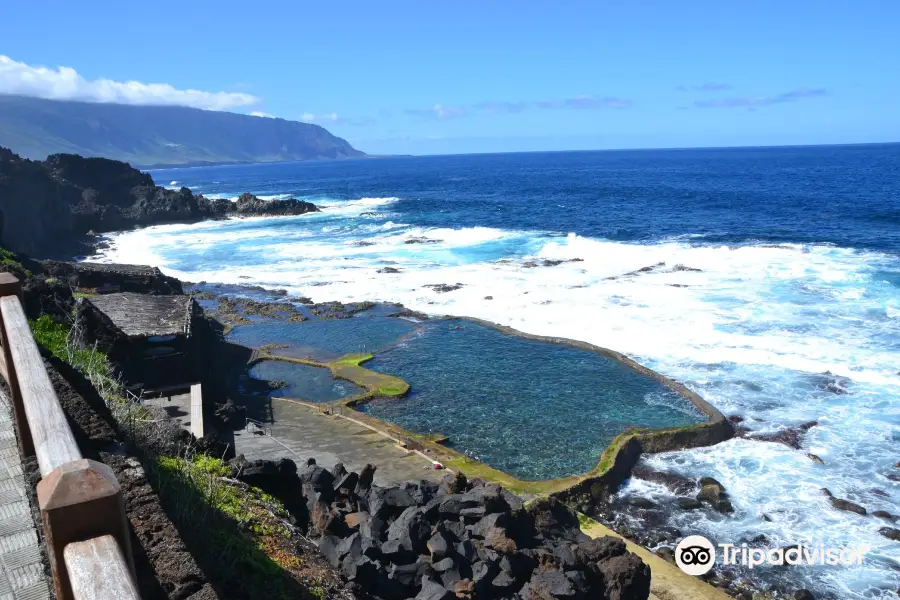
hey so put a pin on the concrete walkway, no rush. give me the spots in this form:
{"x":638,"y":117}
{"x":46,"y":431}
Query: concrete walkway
{"x":21,"y":569}
{"x":298,"y":432}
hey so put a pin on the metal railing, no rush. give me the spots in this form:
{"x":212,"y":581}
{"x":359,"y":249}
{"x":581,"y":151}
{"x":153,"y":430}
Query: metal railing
{"x":80,"y":500}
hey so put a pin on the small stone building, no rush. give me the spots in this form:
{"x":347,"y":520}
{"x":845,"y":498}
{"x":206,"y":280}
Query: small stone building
{"x":149,"y":338}
{"x":110,"y":278}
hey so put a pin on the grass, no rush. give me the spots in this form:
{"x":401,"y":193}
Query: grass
{"x":56,"y":337}
{"x":11,"y":259}
{"x":239,"y":529}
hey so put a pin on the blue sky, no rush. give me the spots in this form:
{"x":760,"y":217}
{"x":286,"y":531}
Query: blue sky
{"x":427,"y":77}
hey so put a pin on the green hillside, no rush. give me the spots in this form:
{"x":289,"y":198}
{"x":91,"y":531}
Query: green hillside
{"x":157,"y":135}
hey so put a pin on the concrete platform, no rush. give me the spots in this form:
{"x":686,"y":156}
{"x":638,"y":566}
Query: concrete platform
{"x":298,"y":433}
{"x":22,"y":574}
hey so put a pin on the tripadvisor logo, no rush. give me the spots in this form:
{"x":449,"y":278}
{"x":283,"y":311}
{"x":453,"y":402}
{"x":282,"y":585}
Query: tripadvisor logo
{"x":696,"y":555}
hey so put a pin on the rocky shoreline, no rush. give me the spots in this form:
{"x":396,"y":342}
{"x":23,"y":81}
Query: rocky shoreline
{"x":58,"y":206}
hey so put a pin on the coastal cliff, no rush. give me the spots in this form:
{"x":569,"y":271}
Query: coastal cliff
{"x":50,"y":206}
{"x":160,"y":135}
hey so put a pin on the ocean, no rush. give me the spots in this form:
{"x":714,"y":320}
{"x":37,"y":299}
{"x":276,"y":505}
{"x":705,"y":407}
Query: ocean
{"x":765,"y":279}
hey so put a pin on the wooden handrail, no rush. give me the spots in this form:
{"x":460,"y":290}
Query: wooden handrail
{"x":54,"y":444}
{"x":98,"y":570}
{"x":82,"y":511}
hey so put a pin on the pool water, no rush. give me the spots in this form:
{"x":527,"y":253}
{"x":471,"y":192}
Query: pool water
{"x":313,"y":384}
{"x":533,"y":409}
{"x":325,"y":340}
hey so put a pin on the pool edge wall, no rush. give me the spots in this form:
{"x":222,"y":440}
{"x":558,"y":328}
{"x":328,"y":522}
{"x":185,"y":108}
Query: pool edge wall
{"x":614,"y":465}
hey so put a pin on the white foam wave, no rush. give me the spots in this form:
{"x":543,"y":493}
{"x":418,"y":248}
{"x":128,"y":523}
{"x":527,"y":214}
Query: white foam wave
{"x":275,"y":196}
{"x":752,"y":328}
{"x":348,"y":208}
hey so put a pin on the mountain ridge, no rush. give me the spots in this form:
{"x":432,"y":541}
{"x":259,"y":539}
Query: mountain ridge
{"x":156,"y":136}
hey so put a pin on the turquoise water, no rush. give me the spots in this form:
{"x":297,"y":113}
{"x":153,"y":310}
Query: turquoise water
{"x":533,"y":409}
{"x":324,"y":340}
{"x":304,"y":382}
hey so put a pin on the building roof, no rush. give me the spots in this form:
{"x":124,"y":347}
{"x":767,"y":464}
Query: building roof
{"x":134,"y":270}
{"x":139,"y":315}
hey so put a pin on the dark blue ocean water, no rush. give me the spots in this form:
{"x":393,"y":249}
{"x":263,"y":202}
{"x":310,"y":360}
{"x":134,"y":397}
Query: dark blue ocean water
{"x":766,"y":279}
{"x":846,"y":195}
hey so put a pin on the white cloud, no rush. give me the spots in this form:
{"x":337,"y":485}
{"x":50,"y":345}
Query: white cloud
{"x":265,"y":115}
{"x":438,"y":111}
{"x":64,"y":83}
{"x":311,"y":118}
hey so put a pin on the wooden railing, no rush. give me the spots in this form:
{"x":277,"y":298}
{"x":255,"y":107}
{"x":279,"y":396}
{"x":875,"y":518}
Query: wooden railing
{"x":82,"y":511}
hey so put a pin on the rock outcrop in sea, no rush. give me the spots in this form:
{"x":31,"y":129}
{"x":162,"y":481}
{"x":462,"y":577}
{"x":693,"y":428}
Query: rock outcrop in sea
{"x":51,"y":206}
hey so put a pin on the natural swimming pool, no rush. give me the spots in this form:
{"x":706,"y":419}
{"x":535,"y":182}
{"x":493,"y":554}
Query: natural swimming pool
{"x":531,"y":408}
{"x":313,"y":384}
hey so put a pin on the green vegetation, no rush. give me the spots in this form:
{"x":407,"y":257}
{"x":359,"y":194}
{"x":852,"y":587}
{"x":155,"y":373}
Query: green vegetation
{"x":146,"y":135}
{"x":57,"y":338}
{"x":239,"y":528}
{"x":83,"y":294}
{"x":584,"y":521}
{"x":12,"y":261}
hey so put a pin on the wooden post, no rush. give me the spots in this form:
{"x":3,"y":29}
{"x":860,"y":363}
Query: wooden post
{"x":98,"y":570}
{"x":78,"y":501}
{"x":197,"y":410}
{"x":10,"y":286}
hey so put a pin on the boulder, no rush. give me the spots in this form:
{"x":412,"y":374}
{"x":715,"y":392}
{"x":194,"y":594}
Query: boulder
{"x":355,"y":519}
{"x":842,"y":504}
{"x":465,"y":588}
{"x":411,"y":528}
{"x":338,"y":471}
{"x":790,"y":436}
{"x":596,"y":550}
{"x":438,"y":546}
{"x":453,"y":483}
{"x":388,"y":502}
{"x":688,"y":503}
{"x":677,"y":483}
{"x":409,"y":576}
{"x":713,"y":493}
{"x":503,"y":584}
{"x":329,"y":546}
{"x":553,"y":519}
{"x":366,"y":476}
{"x":347,"y":482}
{"x":625,"y":577}
{"x":432,"y":590}
{"x":483,"y":574}
{"x":890,"y":533}
{"x":550,"y":585}
{"x":395,"y":552}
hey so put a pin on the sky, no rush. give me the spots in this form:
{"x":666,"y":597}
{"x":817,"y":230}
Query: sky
{"x":398,"y":77}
